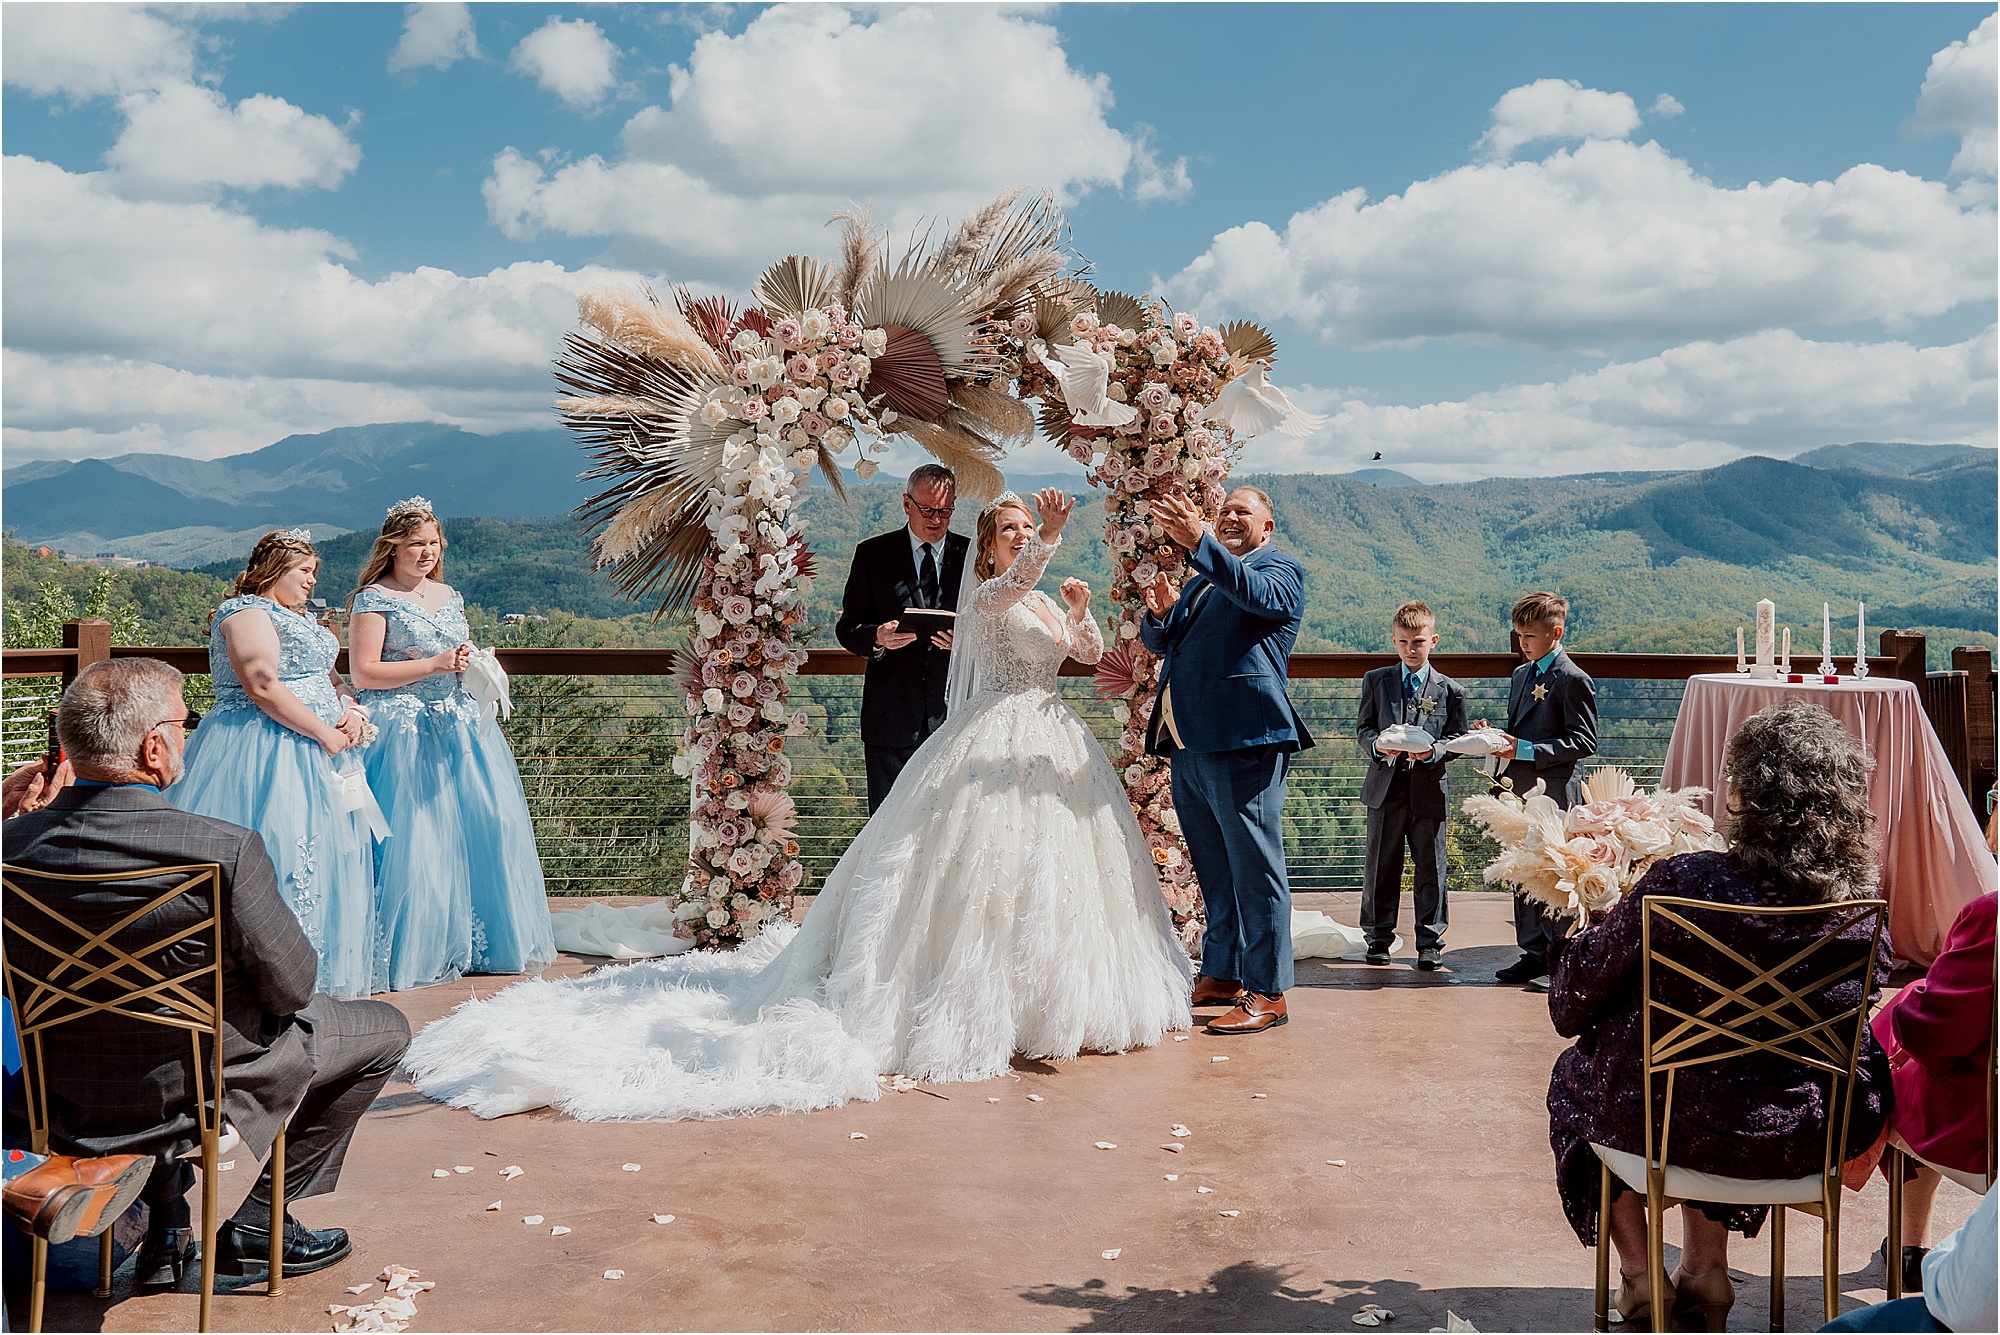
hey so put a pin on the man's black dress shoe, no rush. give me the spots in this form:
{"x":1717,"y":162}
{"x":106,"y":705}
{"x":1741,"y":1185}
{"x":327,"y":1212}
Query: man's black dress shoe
{"x":242,"y":1250}
{"x":1430,"y":957}
{"x":1523,"y":970}
{"x":166,"y":1255}
{"x":1378,"y":954}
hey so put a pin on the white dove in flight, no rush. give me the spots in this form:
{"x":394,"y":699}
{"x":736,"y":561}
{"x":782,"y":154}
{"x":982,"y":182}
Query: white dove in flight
{"x":1085,"y":377}
{"x":1250,"y":406}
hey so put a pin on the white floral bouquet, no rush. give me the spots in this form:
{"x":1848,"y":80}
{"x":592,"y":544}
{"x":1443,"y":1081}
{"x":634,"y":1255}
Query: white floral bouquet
{"x":1579,"y":862}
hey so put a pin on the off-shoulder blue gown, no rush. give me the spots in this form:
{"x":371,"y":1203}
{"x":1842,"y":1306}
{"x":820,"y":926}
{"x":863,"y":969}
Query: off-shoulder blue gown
{"x":245,"y":767}
{"x":459,"y":889}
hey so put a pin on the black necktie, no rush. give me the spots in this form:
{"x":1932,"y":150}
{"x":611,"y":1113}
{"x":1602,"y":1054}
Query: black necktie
{"x":927,"y":580}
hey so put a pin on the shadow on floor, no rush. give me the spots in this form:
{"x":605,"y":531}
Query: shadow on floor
{"x":1473,"y":966}
{"x":1250,"y":1296}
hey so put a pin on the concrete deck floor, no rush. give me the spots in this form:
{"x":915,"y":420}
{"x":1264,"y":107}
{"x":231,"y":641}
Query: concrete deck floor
{"x":958,"y":1213}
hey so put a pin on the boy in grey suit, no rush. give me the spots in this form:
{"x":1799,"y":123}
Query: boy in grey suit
{"x":291,"y":1057}
{"x":1404,"y":792}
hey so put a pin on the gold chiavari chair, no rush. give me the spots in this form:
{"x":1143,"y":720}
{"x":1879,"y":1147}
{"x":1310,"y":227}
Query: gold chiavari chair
{"x":124,"y":976}
{"x":1754,"y":1011}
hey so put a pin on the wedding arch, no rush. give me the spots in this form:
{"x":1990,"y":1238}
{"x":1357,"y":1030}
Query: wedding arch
{"x":706,"y":419}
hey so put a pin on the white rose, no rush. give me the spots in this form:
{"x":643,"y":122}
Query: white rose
{"x":836,"y":408}
{"x":815,"y":325}
{"x":709,"y":626}
{"x":775,"y":711}
{"x":874,"y":342}
{"x":718,"y":917}
{"x":689,"y":911}
{"x":713,"y":413}
{"x":747,"y":340}
{"x":838,"y":438}
{"x":736,"y":800}
{"x":785,"y":411}
{"x":1191,"y":468}
{"x":810,"y":396}
{"x":1123,"y":713}
{"x":865,"y":469}
{"x":1116,"y":391}
{"x":1128,"y":631}
{"x":683,"y":764}
{"x":711,"y":700}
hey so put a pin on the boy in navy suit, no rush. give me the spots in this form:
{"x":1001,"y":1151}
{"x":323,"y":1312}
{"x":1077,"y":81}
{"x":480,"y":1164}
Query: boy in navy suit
{"x":1552,"y":728}
{"x":1405,"y":792}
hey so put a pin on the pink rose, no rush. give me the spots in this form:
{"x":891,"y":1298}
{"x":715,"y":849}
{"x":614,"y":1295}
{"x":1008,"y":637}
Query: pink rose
{"x":1162,"y":425}
{"x":1153,"y":397}
{"x":740,"y":714}
{"x":753,"y":410}
{"x":801,"y":368}
{"x":1079,"y":450}
{"x":736,"y":609}
{"x":1201,"y":439}
{"x":850,"y":336}
{"x":845,"y":375}
{"x":1134,"y":483}
{"x":789,"y":333}
{"x":742,"y":686}
{"x":1023,"y":324}
{"x":814,"y":422}
{"x":739,"y":374}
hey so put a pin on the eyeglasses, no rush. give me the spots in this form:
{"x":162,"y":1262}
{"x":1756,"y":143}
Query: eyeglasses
{"x":187,"y":724}
{"x":930,"y":512}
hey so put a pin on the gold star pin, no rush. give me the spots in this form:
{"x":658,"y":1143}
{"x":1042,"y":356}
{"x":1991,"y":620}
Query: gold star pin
{"x":1541,"y":692}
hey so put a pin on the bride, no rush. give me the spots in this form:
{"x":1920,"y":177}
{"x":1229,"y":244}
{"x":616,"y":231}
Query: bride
{"x":1002,"y":900}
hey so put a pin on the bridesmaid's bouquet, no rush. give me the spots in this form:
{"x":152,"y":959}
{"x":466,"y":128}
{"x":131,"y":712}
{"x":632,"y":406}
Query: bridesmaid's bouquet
{"x":1580,"y":861}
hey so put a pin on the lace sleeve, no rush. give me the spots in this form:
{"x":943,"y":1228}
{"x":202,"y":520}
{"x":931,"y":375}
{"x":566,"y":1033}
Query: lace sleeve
{"x":998,"y":594}
{"x":1083,"y":639}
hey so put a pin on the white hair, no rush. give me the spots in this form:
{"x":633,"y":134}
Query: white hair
{"x":107,"y":711}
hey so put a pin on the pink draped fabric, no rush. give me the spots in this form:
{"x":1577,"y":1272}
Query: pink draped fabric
{"x":1934,"y":858}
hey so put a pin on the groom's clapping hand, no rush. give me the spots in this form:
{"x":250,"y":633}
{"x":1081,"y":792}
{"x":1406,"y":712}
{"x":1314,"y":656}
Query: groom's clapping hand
{"x":1179,"y":519}
{"x":1160,"y":597}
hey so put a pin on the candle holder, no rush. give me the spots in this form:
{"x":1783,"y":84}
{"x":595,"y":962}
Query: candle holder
{"x":1741,"y":665}
{"x":1861,"y":641}
{"x":1829,"y":673}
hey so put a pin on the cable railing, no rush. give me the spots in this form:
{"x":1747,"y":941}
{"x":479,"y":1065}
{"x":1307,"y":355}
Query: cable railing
{"x":594,"y":732}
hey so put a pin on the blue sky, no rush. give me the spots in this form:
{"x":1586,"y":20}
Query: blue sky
{"x":1491,"y":238}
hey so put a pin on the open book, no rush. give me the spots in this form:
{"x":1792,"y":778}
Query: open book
{"x":925,"y":621}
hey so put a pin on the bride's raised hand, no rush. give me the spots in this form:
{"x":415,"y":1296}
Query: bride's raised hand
{"x":1077,"y":594}
{"x":1053,"y":507}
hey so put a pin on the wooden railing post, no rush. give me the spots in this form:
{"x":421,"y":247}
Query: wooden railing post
{"x":91,"y":638}
{"x":1907,"y":648}
{"x":1976,"y":662}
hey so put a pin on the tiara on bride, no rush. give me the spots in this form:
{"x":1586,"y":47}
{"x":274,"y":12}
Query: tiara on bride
{"x":1004,"y":498}
{"x":416,"y":505}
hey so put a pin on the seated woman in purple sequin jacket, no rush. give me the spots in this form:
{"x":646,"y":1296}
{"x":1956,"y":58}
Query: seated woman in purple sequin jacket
{"x":1796,"y":812}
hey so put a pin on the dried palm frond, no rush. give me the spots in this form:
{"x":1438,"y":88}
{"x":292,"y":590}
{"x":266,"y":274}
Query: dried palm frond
{"x":1055,"y":423}
{"x":659,"y":457}
{"x":970,"y":458}
{"x":908,"y":376}
{"x":999,"y":414}
{"x":1056,"y":302}
{"x":714,"y":318}
{"x":1120,"y":309}
{"x":859,"y":249}
{"x":603,"y":405}
{"x":1010,"y":281}
{"x":830,"y":470}
{"x":687,"y":669}
{"x":795,"y":285}
{"x":934,"y":308}
{"x":646,"y":326}
{"x":1249,"y":342}
{"x":1035,"y":224}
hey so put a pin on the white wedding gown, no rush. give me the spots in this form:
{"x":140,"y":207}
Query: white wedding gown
{"x":1002,"y":900}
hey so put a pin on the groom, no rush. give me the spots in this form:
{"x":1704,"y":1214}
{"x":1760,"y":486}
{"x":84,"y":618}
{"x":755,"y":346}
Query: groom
{"x":918,"y":565}
{"x":1223,"y":717}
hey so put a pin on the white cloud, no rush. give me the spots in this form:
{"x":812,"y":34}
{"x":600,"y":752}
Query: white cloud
{"x":1666,"y":106}
{"x":435,"y":36}
{"x":1601,"y":245}
{"x":150,"y":305}
{"x":1691,"y":406}
{"x":1959,"y":95}
{"x":186,"y":138}
{"x":1151,"y":181}
{"x":918,"y":110}
{"x":1556,"y":109}
{"x":572,"y":58}
{"x":81,"y":51}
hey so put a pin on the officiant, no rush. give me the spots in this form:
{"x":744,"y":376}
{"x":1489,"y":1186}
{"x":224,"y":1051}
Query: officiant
{"x":916,"y":567}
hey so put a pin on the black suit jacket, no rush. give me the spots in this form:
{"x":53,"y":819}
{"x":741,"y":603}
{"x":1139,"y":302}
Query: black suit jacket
{"x":1382,"y":705}
{"x":1562,"y":724}
{"x":902,"y":697}
{"x":118,"y":1093}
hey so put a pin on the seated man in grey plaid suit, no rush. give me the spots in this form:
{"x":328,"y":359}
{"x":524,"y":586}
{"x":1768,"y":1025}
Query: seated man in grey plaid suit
{"x":290,"y":1056}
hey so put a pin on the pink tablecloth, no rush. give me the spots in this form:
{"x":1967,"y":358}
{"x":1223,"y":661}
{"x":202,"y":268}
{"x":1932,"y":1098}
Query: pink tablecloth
{"x":1934,"y":858}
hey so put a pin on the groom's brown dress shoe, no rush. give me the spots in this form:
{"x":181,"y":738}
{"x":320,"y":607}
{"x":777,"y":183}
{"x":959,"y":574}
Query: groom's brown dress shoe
{"x":1215,"y":991}
{"x":1253,"y":1015}
{"x":65,"y":1197}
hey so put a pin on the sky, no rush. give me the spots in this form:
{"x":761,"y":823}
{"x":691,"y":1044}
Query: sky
{"x":1490,"y":239}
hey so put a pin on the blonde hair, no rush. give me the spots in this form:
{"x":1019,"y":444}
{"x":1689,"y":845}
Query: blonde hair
{"x":1414,"y":615}
{"x":1542,"y":609}
{"x":989,"y":529}
{"x":401,"y":525}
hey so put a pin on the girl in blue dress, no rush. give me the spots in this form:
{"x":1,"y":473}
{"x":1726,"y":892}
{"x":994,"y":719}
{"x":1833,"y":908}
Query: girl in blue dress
{"x":459,"y":889}
{"x":269,"y":755}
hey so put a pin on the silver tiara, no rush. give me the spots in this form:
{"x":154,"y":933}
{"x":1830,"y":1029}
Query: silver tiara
{"x":415,"y":505}
{"x":1004,"y":498}
{"x":304,"y":535}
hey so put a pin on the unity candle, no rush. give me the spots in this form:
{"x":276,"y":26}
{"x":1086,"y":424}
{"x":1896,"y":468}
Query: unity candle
{"x":1767,"y":639}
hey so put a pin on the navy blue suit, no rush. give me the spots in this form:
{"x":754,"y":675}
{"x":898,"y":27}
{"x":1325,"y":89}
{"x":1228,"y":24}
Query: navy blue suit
{"x":1406,"y":802}
{"x":1557,"y":712}
{"x":1224,"y":648}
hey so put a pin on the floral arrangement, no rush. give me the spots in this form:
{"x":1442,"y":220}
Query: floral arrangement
{"x":708,"y":422}
{"x":1167,"y":370}
{"x":1578,"y":862}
